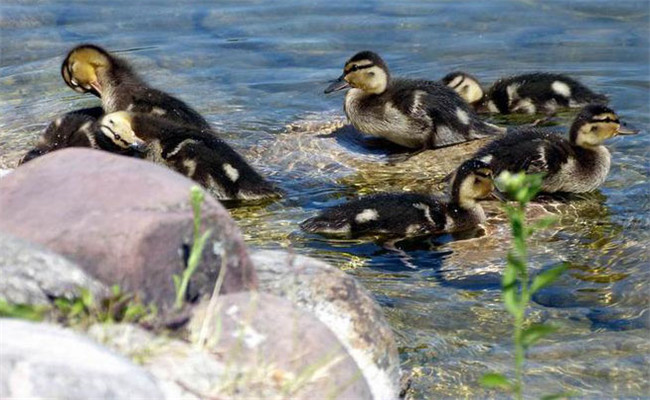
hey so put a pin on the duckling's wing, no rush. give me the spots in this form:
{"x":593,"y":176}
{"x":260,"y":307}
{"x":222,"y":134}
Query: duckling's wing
{"x":213,"y":163}
{"x":437,"y":110}
{"x":528,"y":150}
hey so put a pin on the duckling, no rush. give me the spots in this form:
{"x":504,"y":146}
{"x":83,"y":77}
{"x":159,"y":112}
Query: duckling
{"x":410,"y":214}
{"x":537,"y":92}
{"x":74,"y":129}
{"x":91,"y":69}
{"x":195,"y":153}
{"x":467,"y":87}
{"x":577,"y":165}
{"x":412,"y":113}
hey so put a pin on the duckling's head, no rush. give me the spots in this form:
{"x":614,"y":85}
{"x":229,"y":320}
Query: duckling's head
{"x":472,"y":180}
{"x":365,"y":71}
{"x":594,"y":124}
{"x":82,"y":68}
{"x":465,"y":85}
{"x":118,"y":127}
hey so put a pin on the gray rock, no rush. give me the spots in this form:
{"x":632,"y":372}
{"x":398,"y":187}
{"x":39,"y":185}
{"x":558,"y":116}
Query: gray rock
{"x":275,"y":350}
{"x":33,"y":275}
{"x":182,"y":370}
{"x":45,"y":361}
{"x":341,"y":303}
{"x":124,"y":221}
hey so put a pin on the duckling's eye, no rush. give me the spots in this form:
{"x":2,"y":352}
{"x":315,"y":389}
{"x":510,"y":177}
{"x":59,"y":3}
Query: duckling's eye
{"x":594,"y":128}
{"x":118,"y":137}
{"x":110,"y":121}
{"x":354,"y":68}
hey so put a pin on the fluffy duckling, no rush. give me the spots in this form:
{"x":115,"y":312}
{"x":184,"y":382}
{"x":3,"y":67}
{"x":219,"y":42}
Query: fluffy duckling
{"x":467,"y":87}
{"x":410,"y":214}
{"x":89,"y":68}
{"x":197,"y":154}
{"x":412,"y":113}
{"x":538,"y":92}
{"x":74,"y":129}
{"x":577,"y":165}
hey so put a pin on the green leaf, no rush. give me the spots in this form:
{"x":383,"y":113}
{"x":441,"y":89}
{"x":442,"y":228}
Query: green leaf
{"x":22,"y":311}
{"x":535,"y":332}
{"x":494,"y":380}
{"x":547,"y":277}
{"x":510,"y":299}
{"x":76,"y":309}
{"x":509,"y":276}
{"x":177,"y":281}
{"x":516,"y":262}
{"x":87,"y":299}
{"x":115,"y":289}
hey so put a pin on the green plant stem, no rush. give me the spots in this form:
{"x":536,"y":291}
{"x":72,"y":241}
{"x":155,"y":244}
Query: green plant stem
{"x":524,"y":298}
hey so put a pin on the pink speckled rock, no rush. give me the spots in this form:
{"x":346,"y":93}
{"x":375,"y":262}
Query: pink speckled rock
{"x":124,"y":221}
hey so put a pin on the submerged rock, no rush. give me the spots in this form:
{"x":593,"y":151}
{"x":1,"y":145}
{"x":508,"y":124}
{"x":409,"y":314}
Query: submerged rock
{"x":340,"y":302}
{"x":45,"y":361}
{"x":275,"y":350}
{"x":123,"y":221}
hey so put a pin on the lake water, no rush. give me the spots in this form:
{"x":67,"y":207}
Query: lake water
{"x":257,"y":71}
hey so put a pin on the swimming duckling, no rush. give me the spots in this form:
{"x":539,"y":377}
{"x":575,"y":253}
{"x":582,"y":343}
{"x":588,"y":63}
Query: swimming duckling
{"x":411,"y":113}
{"x":197,"y":154}
{"x":74,"y":129}
{"x":89,"y":68}
{"x":538,"y":92}
{"x":410,"y":214}
{"x":577,"y":165}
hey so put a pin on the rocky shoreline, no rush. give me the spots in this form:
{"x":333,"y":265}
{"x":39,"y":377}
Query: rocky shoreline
{"x":267,"y":324}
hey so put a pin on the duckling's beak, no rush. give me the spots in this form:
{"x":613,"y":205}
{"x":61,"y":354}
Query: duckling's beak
{"x":496,"y":194}
{"x":624,"y":130}
{"x":97,"y":88}
{"x":337,"y":85}
{"x":139,"y":146}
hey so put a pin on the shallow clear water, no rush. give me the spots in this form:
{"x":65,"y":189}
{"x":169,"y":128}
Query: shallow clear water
{"x":257,"y":71}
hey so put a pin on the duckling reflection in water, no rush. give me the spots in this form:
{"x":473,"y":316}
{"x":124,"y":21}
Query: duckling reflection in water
{"x":91,"y":69}
{"x":412,"y":113}
{"x":197,"y":154}
{"x":577,"y":165}
{"x":74,"y":129}
{"x":404,"y":215}
{"x":538,"y":92}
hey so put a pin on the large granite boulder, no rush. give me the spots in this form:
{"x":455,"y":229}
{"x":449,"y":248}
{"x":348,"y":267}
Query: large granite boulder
{"x":45,"y":361}
{"x":340,"y":302}
{"x":31,"y":274}
{"x":275,"y":350}
{"x":124,"y":221}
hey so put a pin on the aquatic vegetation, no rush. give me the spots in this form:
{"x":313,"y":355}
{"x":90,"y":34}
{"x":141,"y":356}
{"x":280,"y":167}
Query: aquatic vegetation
{"x":517,"y":288}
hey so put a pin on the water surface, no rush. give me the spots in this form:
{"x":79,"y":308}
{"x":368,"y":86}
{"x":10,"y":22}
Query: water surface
{"x":256,"y":70}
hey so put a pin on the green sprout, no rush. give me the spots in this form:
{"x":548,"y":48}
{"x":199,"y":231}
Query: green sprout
{"x":182,"y":282}
{"x":517,"y":289}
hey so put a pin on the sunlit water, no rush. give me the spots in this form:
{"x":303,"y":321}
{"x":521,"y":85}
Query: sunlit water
{"x":256,"y":70}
